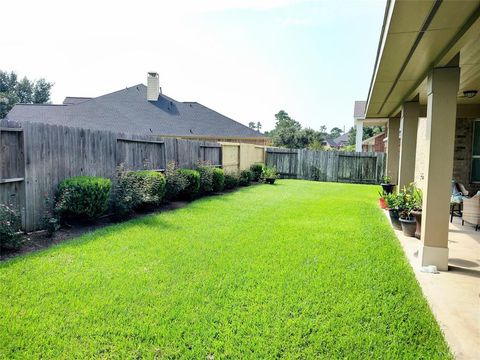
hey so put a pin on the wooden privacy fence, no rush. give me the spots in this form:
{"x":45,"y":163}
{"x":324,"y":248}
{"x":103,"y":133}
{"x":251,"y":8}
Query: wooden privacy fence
{"x":335,"y":166}
{"x":36,"y":157}
{"x":239,"y":156}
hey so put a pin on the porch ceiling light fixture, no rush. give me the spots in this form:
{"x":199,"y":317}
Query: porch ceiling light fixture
{"x":470,"y":93}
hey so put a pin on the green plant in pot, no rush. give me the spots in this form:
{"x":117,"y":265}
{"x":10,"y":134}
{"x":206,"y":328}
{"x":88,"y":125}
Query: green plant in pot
{"x":387,"y":184}
{"x":381,"y":199}
{"x":391,"y":201}
{"x":407,"y":204}
{"x":417,"y":211}
{"x":269,"y":174}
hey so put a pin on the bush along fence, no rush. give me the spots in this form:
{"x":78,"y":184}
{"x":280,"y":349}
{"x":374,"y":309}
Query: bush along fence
{"x":35,"y":158}
{"x":333,"y":166}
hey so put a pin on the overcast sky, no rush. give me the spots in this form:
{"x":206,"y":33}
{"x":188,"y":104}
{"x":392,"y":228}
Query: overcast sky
{"x":247,"y":59}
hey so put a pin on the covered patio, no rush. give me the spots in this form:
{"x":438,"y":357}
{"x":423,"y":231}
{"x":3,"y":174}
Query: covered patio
{"x":424,"y":90}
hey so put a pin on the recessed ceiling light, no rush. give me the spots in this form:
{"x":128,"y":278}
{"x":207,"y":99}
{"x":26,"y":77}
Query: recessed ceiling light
{"x":470,"y":93}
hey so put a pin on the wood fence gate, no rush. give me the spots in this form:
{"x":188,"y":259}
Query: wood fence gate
{"x":334,"y":166}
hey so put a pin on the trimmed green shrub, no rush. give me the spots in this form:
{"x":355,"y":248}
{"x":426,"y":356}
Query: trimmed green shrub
{"x":10,"y":226}
{"x":206,"y":178}
{"x":136,"y":189}
{"x":245,"y":177}
{"x":150,"y":186}
{"x":83,"y":196}
{"x":256,"y":170}
{"x":193,"y":183}
{"x":218,"y":180}
{"x":231,"y":181}
{"x":176,"y":181}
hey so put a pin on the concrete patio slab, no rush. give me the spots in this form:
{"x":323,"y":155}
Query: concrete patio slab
{"x":453,"y":296}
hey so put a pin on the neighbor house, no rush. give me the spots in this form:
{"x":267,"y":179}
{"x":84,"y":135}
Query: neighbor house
{"x":375,"y":143}
{"x":424,"y":90}
{"x":140,"y":109}
{"x":337,"y":143}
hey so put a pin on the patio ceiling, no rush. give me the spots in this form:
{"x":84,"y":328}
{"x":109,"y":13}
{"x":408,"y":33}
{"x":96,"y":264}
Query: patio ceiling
{"x":419,"y":35}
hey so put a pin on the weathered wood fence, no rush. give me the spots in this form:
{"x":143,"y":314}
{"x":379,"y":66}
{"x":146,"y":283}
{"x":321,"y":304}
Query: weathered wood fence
{"x":334,"y":166}
{"x":36,"y":157}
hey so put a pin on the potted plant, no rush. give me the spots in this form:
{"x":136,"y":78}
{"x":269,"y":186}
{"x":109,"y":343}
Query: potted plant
{"x":269,"y":174}
{"x":391,"y":201}
{"x":417,"y":211}
{"x":387,"y":185}
{"x":381,"y":200}
{"x":406,"y":205}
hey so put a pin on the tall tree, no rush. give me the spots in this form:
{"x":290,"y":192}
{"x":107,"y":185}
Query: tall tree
{"x":259,"y":126}
{"x":251,"y":125}
{"x":41,"y":91}
{"x":335,"y":132}
{"x":24,"y":91}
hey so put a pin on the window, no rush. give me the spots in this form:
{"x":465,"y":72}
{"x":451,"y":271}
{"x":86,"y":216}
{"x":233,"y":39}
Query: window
{"x":475,"y":175}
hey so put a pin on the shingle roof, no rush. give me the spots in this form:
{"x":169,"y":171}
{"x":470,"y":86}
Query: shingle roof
{"x":129,"y":111}
{"x":359,"y":109}
{"x":341,"y":138}
{"x":72,"y":100}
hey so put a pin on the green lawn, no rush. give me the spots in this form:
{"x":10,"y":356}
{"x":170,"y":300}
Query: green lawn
{"x":297,"y":270}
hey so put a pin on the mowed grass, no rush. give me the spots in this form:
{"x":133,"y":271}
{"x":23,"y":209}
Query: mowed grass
{"x":299,"y":270}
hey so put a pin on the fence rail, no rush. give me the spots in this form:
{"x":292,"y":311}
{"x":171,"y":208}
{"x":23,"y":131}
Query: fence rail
{"x":334,"y":166}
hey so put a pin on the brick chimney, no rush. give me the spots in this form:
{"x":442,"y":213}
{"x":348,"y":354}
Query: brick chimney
{"x":153,"y":86}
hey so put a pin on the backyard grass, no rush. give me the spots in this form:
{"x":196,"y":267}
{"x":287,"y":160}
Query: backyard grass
{"x":296,"y":270}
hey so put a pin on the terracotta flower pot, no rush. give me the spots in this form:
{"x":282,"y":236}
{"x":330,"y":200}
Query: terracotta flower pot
{"x":394,"y":218}
{"x":408,"y":226}
{"x":418,"y":219}
{"x":382,"y":203}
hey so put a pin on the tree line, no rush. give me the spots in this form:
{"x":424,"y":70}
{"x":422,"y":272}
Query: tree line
{"x":14,"y":91}
{"x":289,"y":133}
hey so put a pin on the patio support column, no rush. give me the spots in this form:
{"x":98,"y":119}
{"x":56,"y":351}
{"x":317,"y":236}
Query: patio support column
{"x":359,"y":136}
{"x":408,"y":143}
{"x":442,"y":88}
{"x":393,"y":148}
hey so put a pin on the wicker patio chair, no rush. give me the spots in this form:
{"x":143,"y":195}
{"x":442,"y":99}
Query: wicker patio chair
{"x":471,"y":211}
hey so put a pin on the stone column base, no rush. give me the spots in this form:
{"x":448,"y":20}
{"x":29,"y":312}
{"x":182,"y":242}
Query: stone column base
{"x":435,"y":256}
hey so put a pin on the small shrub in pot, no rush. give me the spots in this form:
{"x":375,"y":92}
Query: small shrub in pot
{"x":83,"y":196}
{"x":218,"y":180}
{"x":269,"y":174}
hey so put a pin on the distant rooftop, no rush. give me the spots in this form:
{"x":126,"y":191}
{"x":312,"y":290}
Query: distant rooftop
{"x":129,"y":111}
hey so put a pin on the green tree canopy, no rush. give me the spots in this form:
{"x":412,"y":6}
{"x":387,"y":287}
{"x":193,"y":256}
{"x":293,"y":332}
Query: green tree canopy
{"x":14,"y":91}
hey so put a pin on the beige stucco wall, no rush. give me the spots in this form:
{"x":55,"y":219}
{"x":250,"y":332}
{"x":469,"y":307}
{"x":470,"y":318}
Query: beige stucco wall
{"x":462,"y":153}
{"x":420,"y":154}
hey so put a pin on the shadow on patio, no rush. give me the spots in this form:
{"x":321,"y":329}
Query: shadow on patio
{"x":454,"y":295}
